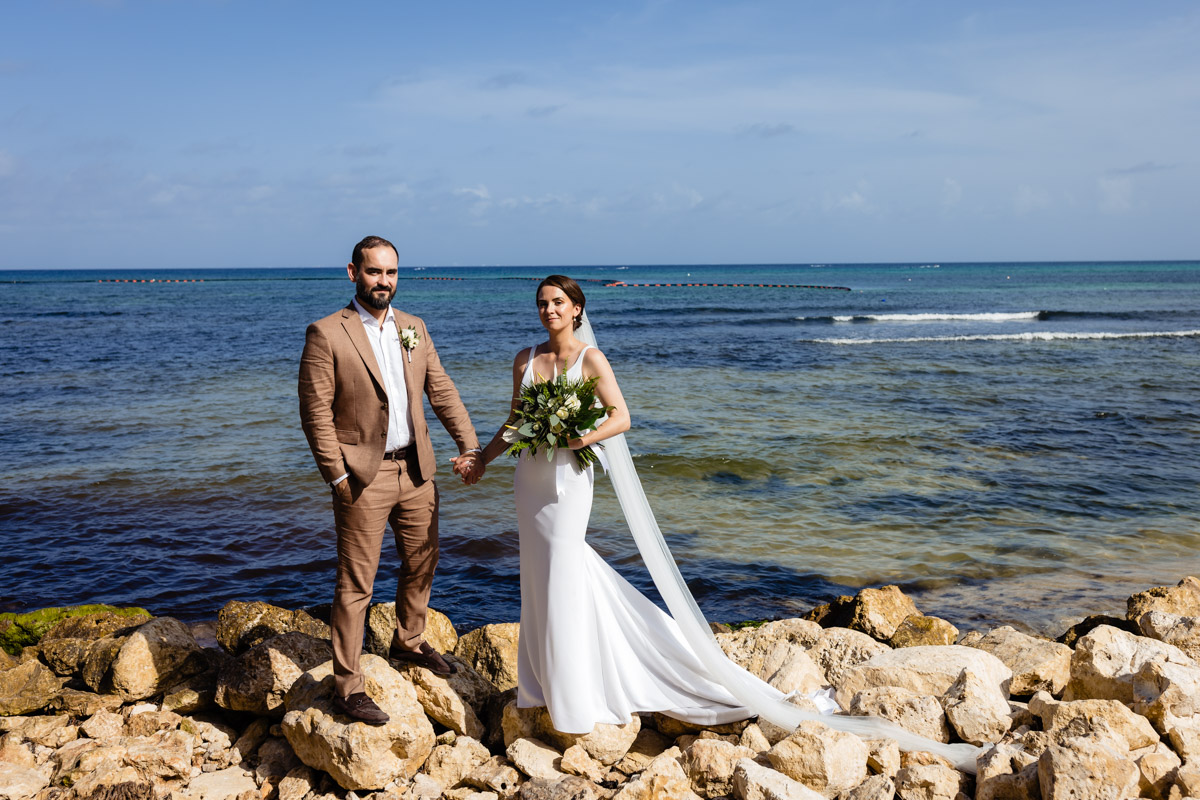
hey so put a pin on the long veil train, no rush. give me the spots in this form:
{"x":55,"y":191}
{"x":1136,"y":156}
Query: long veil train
{"x":756,"y":695}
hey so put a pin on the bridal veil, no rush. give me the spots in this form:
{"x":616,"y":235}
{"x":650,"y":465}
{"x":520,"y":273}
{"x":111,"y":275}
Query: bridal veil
{"x":761,"y":698}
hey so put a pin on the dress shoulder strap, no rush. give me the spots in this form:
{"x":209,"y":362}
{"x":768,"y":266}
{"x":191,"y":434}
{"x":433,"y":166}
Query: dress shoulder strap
{"x":528,"y":379}
{"x":577,"y":367}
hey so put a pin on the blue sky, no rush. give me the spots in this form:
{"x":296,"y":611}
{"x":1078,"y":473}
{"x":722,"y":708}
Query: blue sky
{"x":181,"y":133}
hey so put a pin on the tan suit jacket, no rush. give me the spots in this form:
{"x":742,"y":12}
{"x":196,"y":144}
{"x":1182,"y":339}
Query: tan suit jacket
{"x":343,"y":405}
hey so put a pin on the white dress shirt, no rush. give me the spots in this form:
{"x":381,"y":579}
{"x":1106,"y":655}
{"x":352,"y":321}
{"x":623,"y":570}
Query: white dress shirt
{"x":389,"y":354}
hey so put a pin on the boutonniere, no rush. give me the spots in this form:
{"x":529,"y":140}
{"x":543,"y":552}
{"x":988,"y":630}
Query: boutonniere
{"x":409,"y":338}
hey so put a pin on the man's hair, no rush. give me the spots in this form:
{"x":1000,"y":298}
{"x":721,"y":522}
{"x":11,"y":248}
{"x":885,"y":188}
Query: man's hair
{"x":356,"y":258}
{"x":570,"y":288}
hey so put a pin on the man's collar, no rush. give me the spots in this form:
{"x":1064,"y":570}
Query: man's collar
{"x":368,"y":318}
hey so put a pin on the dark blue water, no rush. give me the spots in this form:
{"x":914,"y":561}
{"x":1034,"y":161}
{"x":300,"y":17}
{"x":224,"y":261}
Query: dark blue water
{"x":1013,"y":442}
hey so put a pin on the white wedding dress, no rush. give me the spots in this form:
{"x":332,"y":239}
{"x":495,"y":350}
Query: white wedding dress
{"x":592,"y":648}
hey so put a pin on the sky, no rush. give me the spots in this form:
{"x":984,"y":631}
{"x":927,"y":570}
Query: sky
{"x":276,"y":133}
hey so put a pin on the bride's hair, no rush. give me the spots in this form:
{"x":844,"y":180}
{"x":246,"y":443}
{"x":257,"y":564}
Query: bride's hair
{"x":570,"y":288}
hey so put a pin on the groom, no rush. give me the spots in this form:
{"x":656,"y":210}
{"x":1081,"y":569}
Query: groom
{"x":364,"y":375}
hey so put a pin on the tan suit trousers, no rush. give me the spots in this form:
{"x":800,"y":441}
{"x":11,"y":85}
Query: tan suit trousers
{"x":393,"y":499}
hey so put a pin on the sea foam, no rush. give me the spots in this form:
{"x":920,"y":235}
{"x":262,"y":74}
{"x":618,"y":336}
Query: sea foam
{"x":1029,"y":336}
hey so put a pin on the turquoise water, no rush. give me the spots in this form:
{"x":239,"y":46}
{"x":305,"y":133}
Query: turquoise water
{"x":1012,"y":442}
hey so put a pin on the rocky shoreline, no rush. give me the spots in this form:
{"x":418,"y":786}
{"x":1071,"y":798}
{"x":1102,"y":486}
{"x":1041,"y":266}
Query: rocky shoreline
{"x":105,"y":703}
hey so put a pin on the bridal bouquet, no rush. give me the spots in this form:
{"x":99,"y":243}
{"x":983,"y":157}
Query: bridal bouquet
{"x":553,"y":413}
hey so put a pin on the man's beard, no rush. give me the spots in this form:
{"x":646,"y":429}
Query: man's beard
{"x":376,"y":300}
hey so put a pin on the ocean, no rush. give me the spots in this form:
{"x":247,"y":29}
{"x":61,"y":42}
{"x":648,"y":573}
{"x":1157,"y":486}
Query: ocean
{"x":1010,"y":443}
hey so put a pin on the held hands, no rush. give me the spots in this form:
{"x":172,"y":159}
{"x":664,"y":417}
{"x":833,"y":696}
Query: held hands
{"x":576,"y":444}
{"x":469,"y":466}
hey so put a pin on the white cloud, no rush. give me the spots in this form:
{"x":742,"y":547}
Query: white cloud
{"x":480,"y":192}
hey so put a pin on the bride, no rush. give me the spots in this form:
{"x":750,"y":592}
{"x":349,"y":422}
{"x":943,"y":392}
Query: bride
{"x":592,"y":648}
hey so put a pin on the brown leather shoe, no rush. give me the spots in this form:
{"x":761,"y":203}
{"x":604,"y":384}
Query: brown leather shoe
{"x":361,"y":708}
{"x":425,"y":657}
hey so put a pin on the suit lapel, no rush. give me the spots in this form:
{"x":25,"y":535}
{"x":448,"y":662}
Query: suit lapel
{"x":353,"y":325}
{"x":410,"y":385}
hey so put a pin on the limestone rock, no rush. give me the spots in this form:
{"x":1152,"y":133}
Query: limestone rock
{"x":104,"y":726}
{"x":1076,"y":632}
{"x":18,"y":631}
{"x":80,"y":704}
{"x":648,"y":745}
{"x":875,"y":612}
{"x":606,"y":743}
{"x":154,"y":656}
{"x":450,"y":764}
{"x":1183,"y":632}
{"x":276,"y":758}
{"x":241,"y":625}
{"x":258,"y":679}
{"x":1007,"y":772}
{"x":840,"y":649}
{"x":1080,"y":768}
{"x":164,"y":755}
{"x":750,"y":647}
{"x":674,"y":728}
{"x":1188,"y":779}
{"x":455,"y":701}
{"x":753,"y":738}
{"x":883,"y":757}
{"x":1080,"y":717}
{"x":535,"y":758}
{"x":492,"y":651}
{"x":522,"y":723}
{"x":663,"y":779}
{"x":220,"y":784}
{"x":53,"y":732}
{"x":19,"y":783}
{"x":920,"y":630}
{"x":15,"y":754}
{"x":876,"y":787}
{"x":250,"y":740}
{"x":297,"y":784}
{"x":356,"y":755}
{"x":1182,"y":599}
{"x":148,"y":723}
{"x":753,"y":781}
{"x":823,"y":759}
{"x":783,"y":663}
{"x":1168,"y":694}
{"x":567,"y":788}
{"x":495,"y":775}
{"x":197,"y":692}
{"x":1107,"y":659}
{"x":925,"y":670}
{"x":1038,"y":665}
{"x":709,"y":764}
{"x":1157,"y":767}
{"x":921,"y":714}
{"x":929,"y":782}
{"x":27,"y":688}
{"x":381,"y":630}
{"x":576,"y":761}
{"x":978,"y":713}
{"x":65,"y":646}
